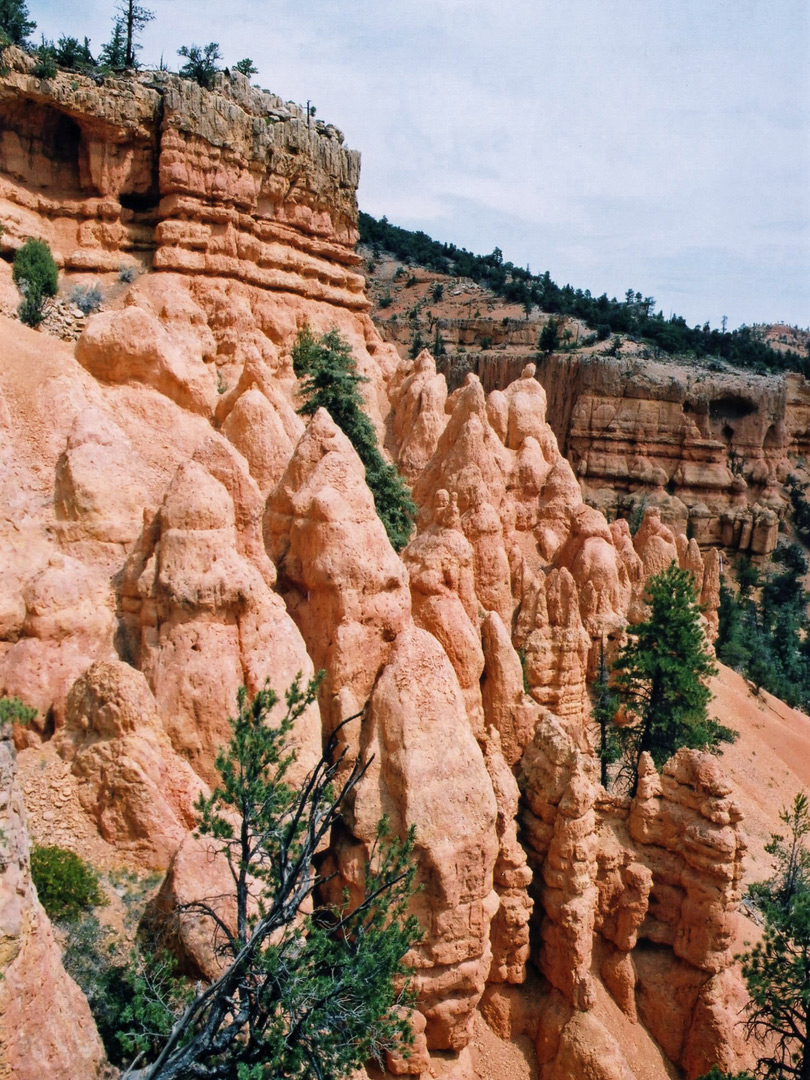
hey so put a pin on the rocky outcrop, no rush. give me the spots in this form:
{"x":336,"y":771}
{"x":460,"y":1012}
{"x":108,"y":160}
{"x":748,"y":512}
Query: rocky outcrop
{"x":133,"y":785}
{"x":623,"y":879}
{"x":200,"y":617}
{"x":46,"y":1029}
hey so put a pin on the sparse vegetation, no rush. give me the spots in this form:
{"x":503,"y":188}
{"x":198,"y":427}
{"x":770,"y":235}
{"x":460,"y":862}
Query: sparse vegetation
{"x":87,"y":298}
{"x":13,"y":711}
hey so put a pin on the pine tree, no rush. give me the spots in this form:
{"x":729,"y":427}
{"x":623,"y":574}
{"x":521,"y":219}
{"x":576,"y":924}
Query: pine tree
{"x":605,"y":704}
{"x":15,"y":26}
{"x":114,"y":54}
{"x":329,"y":380}
{"x":201,"y":63}
{"x":660,"y":677}
{"x":307,"y":989}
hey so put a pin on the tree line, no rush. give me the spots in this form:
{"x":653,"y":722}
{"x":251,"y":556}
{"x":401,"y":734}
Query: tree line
{"x":635,"y":315}
{"x":119,"y":54}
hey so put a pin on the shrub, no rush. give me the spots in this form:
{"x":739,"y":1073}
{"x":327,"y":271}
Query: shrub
{"x":126,"y":274}
{"x":88,"y":298}
{"x":45,"y":66}
{"x":37,"y":276}
{"x":12,"y":711}
{"x":65,"y":883}
{"x":30,"y":307}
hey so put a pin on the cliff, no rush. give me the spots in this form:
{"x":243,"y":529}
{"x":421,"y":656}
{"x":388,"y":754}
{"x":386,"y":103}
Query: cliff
{"x":173,"y":530}
{"x":711,"y":445}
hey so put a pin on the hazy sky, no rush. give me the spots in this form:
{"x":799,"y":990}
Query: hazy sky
{"x":658,"y":144}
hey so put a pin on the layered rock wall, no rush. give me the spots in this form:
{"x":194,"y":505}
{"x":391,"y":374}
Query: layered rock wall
{"x":712,"y":449}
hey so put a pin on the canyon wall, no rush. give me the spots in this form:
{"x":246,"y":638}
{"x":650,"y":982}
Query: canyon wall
{"x":172,"y":529}
{"x":712,"y":448}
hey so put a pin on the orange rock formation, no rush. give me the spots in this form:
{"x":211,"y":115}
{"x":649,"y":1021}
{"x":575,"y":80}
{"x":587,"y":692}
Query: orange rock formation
{"x":173,"y":530}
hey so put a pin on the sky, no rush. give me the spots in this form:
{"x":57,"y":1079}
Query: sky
{"x":662,"y":145}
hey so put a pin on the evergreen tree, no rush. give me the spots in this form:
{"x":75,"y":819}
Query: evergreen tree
{"x":660,"y":677}
{"x":134,"y":18}
{"x":73,"y":54}
{"x":114,"y":54}
{"x":15,"y":26}
{"x":305,"y":991}
{"x":605,"y":704}
{"x":246,"y":67}
{"x":549,"y":337}
{"x":777,"y":973}
{"x":201,"y":63}
{"x":329,"y":380}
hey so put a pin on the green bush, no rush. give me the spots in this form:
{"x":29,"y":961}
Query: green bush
{"x":37,"y":276}
{"x":45,"y":66}
{"x":12,"y":711}
{"x":65,"y":883}
{"x":30,"y":307}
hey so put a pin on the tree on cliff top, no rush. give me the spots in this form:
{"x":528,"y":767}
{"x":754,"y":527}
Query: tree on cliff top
{"x":305,"y":992}
{"x":329,"y":380}
{"x":660,"y":677}
{"x":15,"y":26}
{"x":201,"y":63}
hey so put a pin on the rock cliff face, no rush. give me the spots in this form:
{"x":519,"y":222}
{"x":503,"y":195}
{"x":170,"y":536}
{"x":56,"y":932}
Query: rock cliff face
{"x":174,"y":530}
{"x":711,"y":449}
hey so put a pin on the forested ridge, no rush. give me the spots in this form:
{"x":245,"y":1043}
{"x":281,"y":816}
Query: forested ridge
{"x":635,"y":315}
